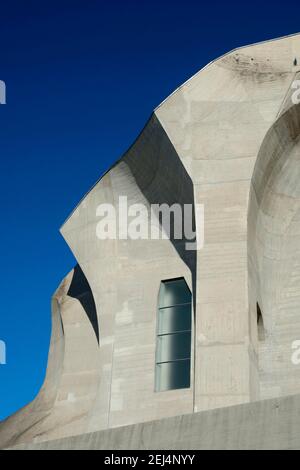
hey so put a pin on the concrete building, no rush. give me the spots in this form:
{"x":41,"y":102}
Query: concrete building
{"x":147,"y":330}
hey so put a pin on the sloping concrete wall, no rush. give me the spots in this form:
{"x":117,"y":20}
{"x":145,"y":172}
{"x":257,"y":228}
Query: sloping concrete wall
{"x":269,"y":424}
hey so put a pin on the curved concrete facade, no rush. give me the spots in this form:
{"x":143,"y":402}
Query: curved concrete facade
{"x":228,"y":139}
{"x":274,"y":229}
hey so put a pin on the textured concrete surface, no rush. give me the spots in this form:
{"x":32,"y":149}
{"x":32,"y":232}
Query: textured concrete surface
{"x":228,"y":139}
{"x":268,"y":424}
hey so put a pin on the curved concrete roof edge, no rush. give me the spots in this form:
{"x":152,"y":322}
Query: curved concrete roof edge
{"x":221,"y":57}
{"x":163,"y":102}
{"x":107,"y":171}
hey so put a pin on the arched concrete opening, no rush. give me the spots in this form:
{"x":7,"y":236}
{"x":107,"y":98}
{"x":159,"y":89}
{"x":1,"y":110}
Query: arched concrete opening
{"x":274,"y":257}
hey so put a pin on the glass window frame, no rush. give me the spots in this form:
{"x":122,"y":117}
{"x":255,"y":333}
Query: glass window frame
{"x":161,"y":333}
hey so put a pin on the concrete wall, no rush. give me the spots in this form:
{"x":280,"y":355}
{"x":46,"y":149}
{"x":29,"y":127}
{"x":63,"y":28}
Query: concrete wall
{"x":269,"y":424}
{"x":228,"y":139}
{"x":274,"y":253}
{"x":217,"y":122}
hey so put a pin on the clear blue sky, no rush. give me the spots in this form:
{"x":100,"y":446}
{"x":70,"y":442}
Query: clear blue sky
{"x":82,"y":79}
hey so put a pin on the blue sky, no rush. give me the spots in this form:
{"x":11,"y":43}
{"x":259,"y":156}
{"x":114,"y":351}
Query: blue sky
{"x":82,"y":78}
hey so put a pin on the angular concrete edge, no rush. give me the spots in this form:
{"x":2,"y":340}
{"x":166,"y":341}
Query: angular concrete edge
{"x":268,"y":424}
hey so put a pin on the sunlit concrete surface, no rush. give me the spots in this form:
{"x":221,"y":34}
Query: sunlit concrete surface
{"x":228,"y":139}
{"x":265,"y":425}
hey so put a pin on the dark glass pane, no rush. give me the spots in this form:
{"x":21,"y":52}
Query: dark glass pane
{"x":173,"y":375}
{"x":174,"y":319}
{"x":172,"y":347}
{"x":174,"y":293}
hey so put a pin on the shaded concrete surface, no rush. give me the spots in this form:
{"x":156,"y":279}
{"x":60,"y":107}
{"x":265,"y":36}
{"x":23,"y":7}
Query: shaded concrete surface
{"x":80,"y":290}
{"x":267,"y":424}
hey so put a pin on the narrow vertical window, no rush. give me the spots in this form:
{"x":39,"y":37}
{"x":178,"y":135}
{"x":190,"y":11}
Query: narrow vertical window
{"x":173,"y":350}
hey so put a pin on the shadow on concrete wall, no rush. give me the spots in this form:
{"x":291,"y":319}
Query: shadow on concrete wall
{"x":81,"y":290}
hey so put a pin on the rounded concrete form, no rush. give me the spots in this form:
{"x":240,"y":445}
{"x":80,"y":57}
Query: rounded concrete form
{"x":227,"y":139}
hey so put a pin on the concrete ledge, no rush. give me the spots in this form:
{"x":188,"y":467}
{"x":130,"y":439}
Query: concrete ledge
{"x":268,"y":424}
